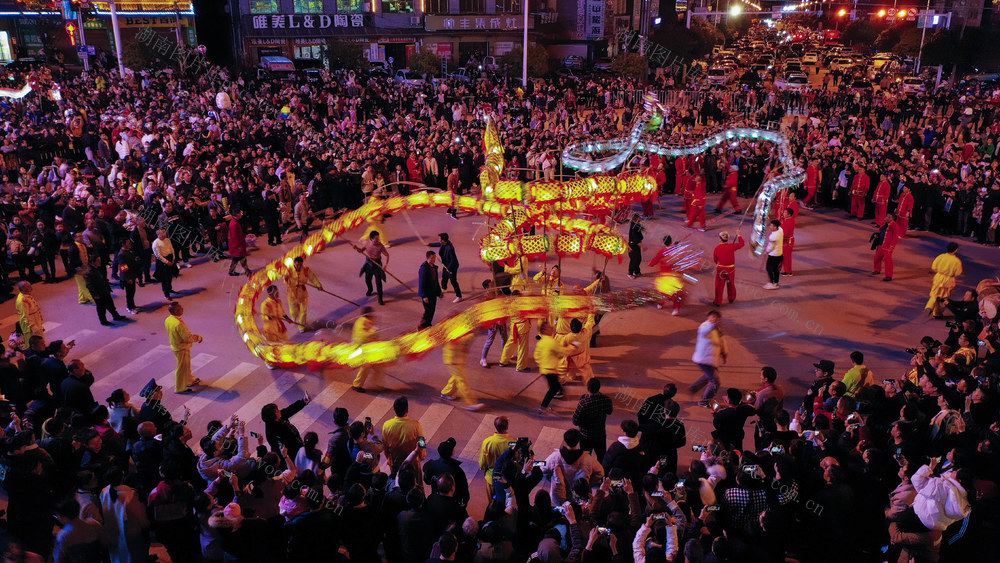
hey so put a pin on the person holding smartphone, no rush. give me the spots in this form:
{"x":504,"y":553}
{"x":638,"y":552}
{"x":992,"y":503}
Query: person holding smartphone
{"x":279,"y":430}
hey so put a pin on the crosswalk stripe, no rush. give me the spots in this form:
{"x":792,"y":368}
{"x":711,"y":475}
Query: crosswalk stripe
{"x":78,"y":335}
{"x":50,"y":326}
{"x":475,"y":443}
{"x":271,"y":394}
{"x":377,"y":409}
{"x":136,"y":366}
{"x":96,"y":356}
{"x":219,"y":387}
{"x":10,"y":320}
{"x":548,"y":440}
{"x":197,"y":362}
{"x":320,"y":404}
{"x":433,"y":418}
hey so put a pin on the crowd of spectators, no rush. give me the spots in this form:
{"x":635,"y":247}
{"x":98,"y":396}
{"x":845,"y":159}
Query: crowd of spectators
{"x":904,"y":469}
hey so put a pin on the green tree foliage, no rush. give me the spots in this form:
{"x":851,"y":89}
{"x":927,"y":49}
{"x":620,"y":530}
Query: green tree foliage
{"x":538,"y":60}
{"x":889,"y":37}
{"x":632,"y":65}
{"x":137,"y":56}
{"x":707,"y":35}
{"x":861,"y":31}
{"x":426,"y":62}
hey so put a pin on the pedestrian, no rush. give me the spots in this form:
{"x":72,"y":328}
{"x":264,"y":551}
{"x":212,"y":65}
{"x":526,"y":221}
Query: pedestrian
{"x":696,"y":207}
{"x":580,"y":361}
{"x":769,"y":400}
{"x":787,"y":241}
{"x":400,"y":435}
{"x":128,"y":271}
{"x":635,"y":236}
{"x":430,"y":288}
{"x":456,"y":354}
{"x":549,"y":353}
{"x":859,"y":192}
{"x":493,"y":328}
{"x":100,"y":290}
{"x":273,"y":314}
{"x":373,"y":251}
{"x":591,"y":416}
{"x":904,"y":211}
{"x":729,"y":193}
{"x":449,"y":265}
{"x":279,"y":430}
{"x":363,"y":332}
{"x":881,"y":199}
{"x":237,"y":244}
{"x":666,"y":258}
{"x":884,"y":243}
{"x":946,"y":267}
{"x":710,"y":352}
{"x":773,"y":252}
{"x":297,"y":278}
{"x":724,"y":256}
{"x":302,"y":212}
{"x":29,"y":312}
{"x":166,"y":264}
{"x":272,"y":218}
{"x":493,"y":447}
{"x":142,"y":242}
{"x":181,"y":340}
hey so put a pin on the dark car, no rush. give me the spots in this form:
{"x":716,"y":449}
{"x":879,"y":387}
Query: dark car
{"x":750,"y":78}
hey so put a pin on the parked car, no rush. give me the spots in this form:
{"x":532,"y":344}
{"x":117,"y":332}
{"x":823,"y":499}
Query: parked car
{"x":718,"y":76}
{"x":793,"y":82}
{"x":408,"y":77}
{"x":912,"y":85}
{"x":489,"y":63}
{"x":862,"y":86}
{"x":461,"y":75}
{"x":575,"y":62}
{"x":603,"y":63}
{"x":842,"y":64}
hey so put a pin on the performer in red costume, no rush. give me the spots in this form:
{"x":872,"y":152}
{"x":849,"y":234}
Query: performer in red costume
{"x":813,"y":177}
{"x":881,"y":199}
{"x":859,"y":191}
{"x":904,"y":211}
{"x":788,"y":243}
{"x":729,"y":192}
{"x":680,"y":166}
{"x":885,"y":243}
{"x":696,"y":209}
{"x":725,"y":267}
{"x":666,"y":258}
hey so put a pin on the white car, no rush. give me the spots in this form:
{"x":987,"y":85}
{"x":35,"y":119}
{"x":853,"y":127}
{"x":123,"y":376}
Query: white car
{"x":718,"y":76}
{"x":407,"y":77}
{"x":793,"y":82}
{"x":810,"y":58}
{"x":842,"y":64}
{"x":913,"y":85}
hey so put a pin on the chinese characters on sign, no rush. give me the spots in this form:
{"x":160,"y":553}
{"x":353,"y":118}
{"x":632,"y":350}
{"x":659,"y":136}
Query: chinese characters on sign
{"x":306,"y":22}
{"x":473,"y":22}
{"x":595,"y":19}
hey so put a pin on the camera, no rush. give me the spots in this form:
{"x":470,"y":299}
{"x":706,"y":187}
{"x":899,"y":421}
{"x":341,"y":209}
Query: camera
{"x":912,"y":351}
{"x":522,"y":447}
{"x":952,"y":324}
{"x":559,"y":509}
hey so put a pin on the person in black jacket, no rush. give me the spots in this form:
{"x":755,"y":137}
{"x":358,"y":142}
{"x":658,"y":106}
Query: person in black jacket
{"x":128,"y":270}
{"x":100,"y":290}
{"x":730,"y":420}
{"x":626,"y":454}
{"x":430,"y":289}
{"x":75,"y":389}
{"x":635,"y":236}
{"x":142,"y":244}
{"x":272,"y":219}
{"x":338,"y":454}
{"x":279,"y":430}
{"x":46,"y":248}
{"x":448,"y":465}
{"x":449,"y":263}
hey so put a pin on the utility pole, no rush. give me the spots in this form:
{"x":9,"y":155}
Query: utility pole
{"x":83,"y":39}
{"x":923,"y":35}
{"x":524,"y":60}
{"x":118,"y":39}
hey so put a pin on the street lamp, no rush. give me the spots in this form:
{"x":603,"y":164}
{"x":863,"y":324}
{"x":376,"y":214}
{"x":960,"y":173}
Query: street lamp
{"x":735,"y":10}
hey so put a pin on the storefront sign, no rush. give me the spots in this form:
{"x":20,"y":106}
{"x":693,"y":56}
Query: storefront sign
{"x":304,"y":24}
{"x":444,"y":50}
{"x":485,"y":22}
{"x":258,"y":42}
{"x":595,"y":19}
{"x":151,"y":21}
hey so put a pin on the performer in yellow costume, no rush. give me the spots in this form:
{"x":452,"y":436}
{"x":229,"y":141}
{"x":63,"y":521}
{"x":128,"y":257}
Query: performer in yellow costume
{"x":947,"y":267}
{"x":181,"y":340}
{"x":364,"y":331}
{"x":296,"y":281}
{"x":520,"y":281}
{"x":30,"y":313}
{"x":273,"y":313}
{"x":83,"y":262}
{"x":520,"y":331}
{"x":456,"y":354}
{"x":580,"y":332}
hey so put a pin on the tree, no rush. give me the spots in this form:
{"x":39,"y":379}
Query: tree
{"x":426,"y":62}
{"x":889,"y":38}
{"x":861,"y":31}
{"x":632,"y":65}
{"x":136,"y":55}
{"x":538,"y":60}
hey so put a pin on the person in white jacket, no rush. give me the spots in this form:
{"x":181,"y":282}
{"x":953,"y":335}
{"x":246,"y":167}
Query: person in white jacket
{"x":569,"y":463}
{"x":941,"y":500}
{"x":668,"y":540}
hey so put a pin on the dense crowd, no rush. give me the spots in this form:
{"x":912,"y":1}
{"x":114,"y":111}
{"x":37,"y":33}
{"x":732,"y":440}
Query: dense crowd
{"x":904,"y":469}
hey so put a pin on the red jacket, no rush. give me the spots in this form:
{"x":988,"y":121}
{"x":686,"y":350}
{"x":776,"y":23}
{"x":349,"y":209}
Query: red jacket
{"x":698,"y":190}
{"x":788,"y":227}
{"x":891,"y":237}
{"x":725,"y":253}
{"x":860,"y":184}
{"x":237,"y":240}
{"x":882,"y":192}
{"x":905,"y":209}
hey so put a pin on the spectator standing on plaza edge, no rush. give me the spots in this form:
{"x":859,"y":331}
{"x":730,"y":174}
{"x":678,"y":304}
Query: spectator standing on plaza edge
{"x":591,"y":417}
{"x":709,"y":352}
{"x":429,"y":289}
{"x":400,"y":434}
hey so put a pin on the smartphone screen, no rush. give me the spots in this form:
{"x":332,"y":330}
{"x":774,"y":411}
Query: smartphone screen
{"x":538,"y":464}
{"x":254,"y":434}
{"x":421,"y":442}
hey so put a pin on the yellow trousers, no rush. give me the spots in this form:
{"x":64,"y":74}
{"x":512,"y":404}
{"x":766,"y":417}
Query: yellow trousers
{"x":940,"y":289}
{"x":457,"y":386}
{"x":521,"y":341}
{"x":365,"y":371}
{"x":298,"y":310}
{"x":183,"y":378}
{"x":585,"y":370}
{"x":489,"y":483}
{"x":82,"y":291}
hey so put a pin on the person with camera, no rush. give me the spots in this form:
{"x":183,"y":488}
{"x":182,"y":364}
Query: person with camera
{"x":729,"y":419}
{"x":569,"y":463}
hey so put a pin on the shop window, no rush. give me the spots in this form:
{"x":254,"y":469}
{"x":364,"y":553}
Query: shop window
{"x":437,"y":6}
{"x":350,"y":6}
{"x":308,"y":6}
{"x":472,"y":6}
{"x":313,"y":52}
{"x":509,"y":6}
{"x":397,"y":6}
{"x":263,"y":6}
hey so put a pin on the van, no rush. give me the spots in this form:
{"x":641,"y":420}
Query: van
{"x":276,"y":65}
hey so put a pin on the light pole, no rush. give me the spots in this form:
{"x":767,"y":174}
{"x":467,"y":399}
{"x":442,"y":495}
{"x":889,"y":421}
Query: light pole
{"x":83,"y":39}
{"x":524,"y":50}
{"x":118,"y":39}
{"x":923,"y":35}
